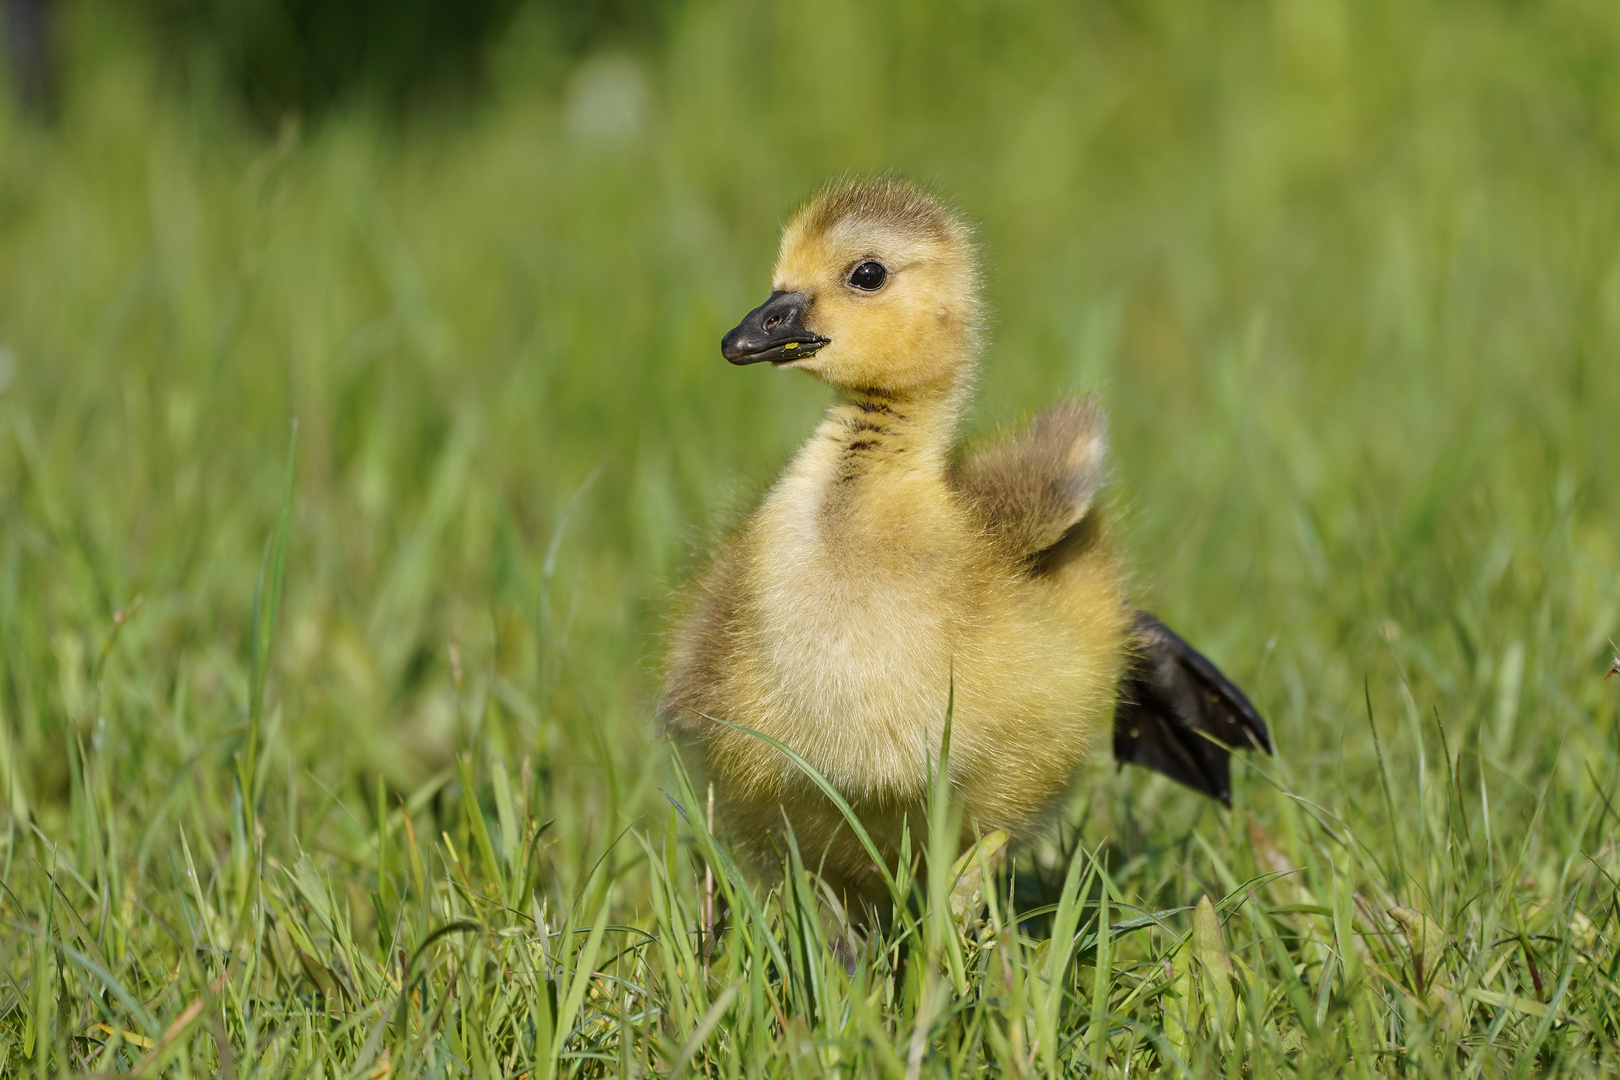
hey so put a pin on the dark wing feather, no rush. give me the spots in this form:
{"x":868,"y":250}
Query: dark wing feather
{"x":1179,"y":715}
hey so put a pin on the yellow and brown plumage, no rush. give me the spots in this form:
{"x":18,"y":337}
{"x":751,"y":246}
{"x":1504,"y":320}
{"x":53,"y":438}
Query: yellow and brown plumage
{"x":885,"y":580}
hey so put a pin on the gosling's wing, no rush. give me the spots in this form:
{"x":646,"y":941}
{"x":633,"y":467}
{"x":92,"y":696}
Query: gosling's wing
{"x":1033,"y":491}
{"x":1179,"y":715}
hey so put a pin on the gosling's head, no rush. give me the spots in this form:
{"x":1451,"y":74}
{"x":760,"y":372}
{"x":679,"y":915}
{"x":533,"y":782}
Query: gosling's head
{"x":876,"y":288}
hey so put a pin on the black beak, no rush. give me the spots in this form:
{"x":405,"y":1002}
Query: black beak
{"x":773,"y":331}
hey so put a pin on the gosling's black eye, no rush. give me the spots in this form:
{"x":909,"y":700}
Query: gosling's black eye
{"x":869,"y":276}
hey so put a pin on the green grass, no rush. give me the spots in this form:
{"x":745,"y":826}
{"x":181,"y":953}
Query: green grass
{"x":1347,"y":278}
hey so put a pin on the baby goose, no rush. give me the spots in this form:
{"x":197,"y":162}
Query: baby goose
{"x":885,"y":581}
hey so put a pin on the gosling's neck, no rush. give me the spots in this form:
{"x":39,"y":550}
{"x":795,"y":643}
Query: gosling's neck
{"x":876,"y":432}
{"x":877,"y":464}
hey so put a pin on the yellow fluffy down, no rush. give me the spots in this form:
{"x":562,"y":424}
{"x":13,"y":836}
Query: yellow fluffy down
{"x":883,"y":574}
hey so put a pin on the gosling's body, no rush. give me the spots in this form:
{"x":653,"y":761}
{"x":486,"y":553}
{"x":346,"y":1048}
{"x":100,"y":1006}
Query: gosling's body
{"x":863,"y":591}
{"x":884,"y":582}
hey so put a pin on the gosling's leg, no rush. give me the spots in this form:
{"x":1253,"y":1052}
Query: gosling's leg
{"x":1179,"y":715}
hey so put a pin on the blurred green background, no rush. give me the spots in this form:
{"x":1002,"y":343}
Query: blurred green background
{"x":1346,"y":276}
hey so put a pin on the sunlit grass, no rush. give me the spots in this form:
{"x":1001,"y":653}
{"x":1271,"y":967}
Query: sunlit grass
{"x":1347,"y":278}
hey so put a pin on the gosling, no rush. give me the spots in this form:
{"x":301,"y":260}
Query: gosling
{"x":887,"y":581}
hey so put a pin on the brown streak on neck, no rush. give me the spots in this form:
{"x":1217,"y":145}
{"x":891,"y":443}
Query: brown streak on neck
{"x":880,"y":439}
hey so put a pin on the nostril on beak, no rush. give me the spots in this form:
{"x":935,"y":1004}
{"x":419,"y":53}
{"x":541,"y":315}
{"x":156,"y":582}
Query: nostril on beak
{"x":772,"y":331}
